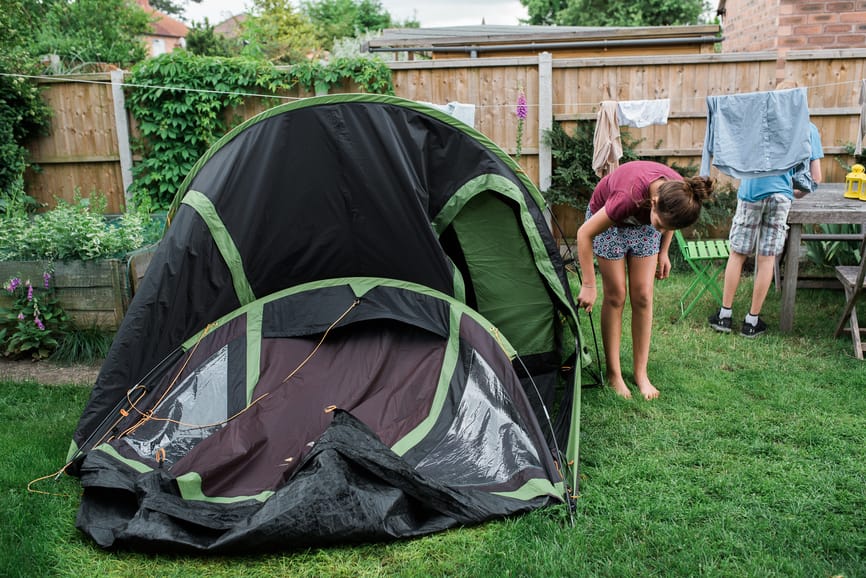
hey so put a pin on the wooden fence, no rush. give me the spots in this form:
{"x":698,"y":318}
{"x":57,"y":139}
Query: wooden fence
{"x":567,"y":90}
{"x":88,"y":141}
{"x":88,"y":146}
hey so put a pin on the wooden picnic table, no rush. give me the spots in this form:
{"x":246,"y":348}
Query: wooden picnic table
{"x":827,"y":205}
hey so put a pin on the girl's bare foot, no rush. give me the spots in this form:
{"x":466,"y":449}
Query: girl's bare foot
{"x":619,"y":386}
{"x":647,"y":389}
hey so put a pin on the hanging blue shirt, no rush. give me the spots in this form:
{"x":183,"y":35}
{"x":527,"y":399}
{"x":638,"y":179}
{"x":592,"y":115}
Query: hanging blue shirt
{"x":753,"y":190}
{"x":756,"y":134}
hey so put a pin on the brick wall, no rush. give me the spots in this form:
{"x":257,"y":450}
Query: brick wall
{"x":754,"y":25}
{"x":750,"y":25}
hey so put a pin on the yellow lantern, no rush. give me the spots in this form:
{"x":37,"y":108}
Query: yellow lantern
{"x":855,"y":183}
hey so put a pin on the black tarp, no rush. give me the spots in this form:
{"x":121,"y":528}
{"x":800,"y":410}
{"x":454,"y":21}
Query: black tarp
{"x":348,"y":466}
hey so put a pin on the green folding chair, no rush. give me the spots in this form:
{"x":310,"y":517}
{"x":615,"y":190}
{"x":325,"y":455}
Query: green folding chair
{"x":707,"y":258}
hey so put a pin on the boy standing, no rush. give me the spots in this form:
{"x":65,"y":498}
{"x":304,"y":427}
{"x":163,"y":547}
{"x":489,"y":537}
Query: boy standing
{"x":761,"y":219}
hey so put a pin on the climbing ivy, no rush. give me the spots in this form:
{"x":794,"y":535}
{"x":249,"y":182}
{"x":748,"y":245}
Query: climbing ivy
{"x":181,"y":103}
{"x":371,"y":74}
{"x":23,"y":115}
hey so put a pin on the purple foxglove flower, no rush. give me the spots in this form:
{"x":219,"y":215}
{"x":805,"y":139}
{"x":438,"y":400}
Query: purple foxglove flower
{"x":21,"y":317}
{"x":39,"y":324}
{"x":29,"y":291}
{"x":14,"y":283}
{"x":46,"y":280}
{"x":522,"y":110}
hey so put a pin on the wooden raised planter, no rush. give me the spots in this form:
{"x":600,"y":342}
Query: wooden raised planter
{"x":91,"y":292}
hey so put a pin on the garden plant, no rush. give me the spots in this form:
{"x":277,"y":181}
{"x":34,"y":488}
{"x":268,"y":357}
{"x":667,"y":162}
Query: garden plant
{"x":34,"y":324}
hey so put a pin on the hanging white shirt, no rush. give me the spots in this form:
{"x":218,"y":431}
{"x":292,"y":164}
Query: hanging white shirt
{"x":641,"y":113}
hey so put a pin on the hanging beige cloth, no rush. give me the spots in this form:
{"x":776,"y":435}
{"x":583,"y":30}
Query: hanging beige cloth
{"x":606,"y":142}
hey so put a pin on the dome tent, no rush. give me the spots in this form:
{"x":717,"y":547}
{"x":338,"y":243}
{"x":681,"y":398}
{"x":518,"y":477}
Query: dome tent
{"x":338,"y":188}
{"x":417,"y":372}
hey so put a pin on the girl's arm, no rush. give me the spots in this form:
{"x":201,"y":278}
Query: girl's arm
{"x":664,"y":264}
{"x":585,"y":234}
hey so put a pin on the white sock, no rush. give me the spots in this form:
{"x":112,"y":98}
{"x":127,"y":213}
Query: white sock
{"x":725,"y":313}
{"x":752,"y":319}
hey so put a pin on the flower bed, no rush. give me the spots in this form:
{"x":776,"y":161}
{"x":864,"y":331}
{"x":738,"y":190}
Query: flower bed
{"x":94,"y":261}
{"x":93,"y":293}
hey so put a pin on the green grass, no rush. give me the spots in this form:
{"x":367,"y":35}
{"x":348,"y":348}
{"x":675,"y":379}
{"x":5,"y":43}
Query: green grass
{"x":751,"y":463}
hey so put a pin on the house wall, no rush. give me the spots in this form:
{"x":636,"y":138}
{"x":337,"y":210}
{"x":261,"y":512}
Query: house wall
{"x":752,"y":25}
{"x":157,"y":45}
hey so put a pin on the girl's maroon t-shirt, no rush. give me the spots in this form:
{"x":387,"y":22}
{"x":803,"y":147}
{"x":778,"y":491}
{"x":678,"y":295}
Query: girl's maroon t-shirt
{"x":623,"y":191}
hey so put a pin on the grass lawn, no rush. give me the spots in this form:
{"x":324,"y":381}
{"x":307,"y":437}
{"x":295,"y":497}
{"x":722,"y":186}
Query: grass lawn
{"x":751,"y":463}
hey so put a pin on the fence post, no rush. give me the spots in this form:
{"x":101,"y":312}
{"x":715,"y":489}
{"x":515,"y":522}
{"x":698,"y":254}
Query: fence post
{"x":545,"y":121}
{"x":121,"y":125}
{"x":545,"y":118}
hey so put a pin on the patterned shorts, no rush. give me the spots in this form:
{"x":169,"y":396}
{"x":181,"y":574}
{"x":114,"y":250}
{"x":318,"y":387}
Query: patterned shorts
{"x":617,"y":242}
{"x":762,"y":224}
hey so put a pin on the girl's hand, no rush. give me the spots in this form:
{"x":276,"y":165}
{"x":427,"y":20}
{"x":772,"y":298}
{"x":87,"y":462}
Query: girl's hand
{"x":586,"y":297}
{"x":663,"y":269}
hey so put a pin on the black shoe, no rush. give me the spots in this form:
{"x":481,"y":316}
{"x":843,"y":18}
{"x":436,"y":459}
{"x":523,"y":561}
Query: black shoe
{"x":720,"y":324}
{"x":755,"y":330}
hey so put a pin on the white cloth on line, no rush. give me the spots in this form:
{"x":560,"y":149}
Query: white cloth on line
{"x":641,"y":113}
{"x":459,"y":110}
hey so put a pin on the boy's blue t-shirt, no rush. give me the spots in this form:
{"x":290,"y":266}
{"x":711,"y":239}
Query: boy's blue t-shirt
{"x":753,"y":190}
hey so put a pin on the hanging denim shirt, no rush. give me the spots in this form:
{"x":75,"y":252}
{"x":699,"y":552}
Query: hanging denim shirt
{"x":756,"y":134}
{"x":754,"y":190}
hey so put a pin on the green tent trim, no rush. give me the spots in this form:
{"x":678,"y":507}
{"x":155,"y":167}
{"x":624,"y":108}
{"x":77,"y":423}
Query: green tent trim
{"x":224,"y":242}
{"x":189,"y":485}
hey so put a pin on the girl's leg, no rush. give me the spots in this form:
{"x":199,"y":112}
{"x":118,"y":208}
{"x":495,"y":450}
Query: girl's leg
{"x":641,"y":278}
{"x":613,"y":276}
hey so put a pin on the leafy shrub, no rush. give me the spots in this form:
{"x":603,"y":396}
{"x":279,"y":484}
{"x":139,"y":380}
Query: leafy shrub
{"x":202,"y":40}
{"x":90,"y":31}
{"x":718,"y":212}
{"x":34,"y":324}
{"x":23,"y":114}
{"x":76,"y":230}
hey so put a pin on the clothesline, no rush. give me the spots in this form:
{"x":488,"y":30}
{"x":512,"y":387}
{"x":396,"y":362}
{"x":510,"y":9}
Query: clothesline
{"x":593,"y":104}
{"x":703,"y":97}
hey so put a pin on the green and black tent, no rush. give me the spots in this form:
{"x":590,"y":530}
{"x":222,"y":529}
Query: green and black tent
{"x":357,"y":326}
